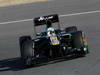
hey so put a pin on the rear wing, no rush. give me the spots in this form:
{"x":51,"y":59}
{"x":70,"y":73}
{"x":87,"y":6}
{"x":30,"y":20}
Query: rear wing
{"x":42,"y":20}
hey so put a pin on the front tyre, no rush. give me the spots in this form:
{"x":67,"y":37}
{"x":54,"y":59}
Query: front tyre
{"x":26,"y":49}
{"x":78,"y":44}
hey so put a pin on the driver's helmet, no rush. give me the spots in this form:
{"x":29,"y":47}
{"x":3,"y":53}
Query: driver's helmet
{"x":51,"y":31}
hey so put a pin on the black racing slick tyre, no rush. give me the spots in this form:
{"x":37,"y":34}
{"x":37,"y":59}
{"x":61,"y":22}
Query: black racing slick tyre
{"x":78,"y":43}
{"x":26,"y":49}
{"x":71,"y":29}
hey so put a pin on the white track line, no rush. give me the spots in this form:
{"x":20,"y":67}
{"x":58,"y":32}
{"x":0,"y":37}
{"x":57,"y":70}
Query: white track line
{"x":16,"y":21}
{"x":83,"y":13}
{"x":75,"y":14}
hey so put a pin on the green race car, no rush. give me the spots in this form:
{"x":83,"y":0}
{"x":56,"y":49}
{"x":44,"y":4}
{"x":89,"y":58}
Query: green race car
{"x":53,"y":43}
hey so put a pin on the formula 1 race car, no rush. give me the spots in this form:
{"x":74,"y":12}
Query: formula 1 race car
{"x":53,"y":42}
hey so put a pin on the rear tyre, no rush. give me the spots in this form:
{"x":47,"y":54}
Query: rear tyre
{"x":26,"y":49}
{"x":71,"y":29}
{"x":78,"y":44}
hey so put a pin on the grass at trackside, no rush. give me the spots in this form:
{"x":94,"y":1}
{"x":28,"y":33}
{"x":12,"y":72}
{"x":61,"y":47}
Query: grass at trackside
{"x":4,"y":3}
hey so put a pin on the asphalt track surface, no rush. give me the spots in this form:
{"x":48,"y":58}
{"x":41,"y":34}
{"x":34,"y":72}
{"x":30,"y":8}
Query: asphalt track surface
{"x":10,"y":63}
